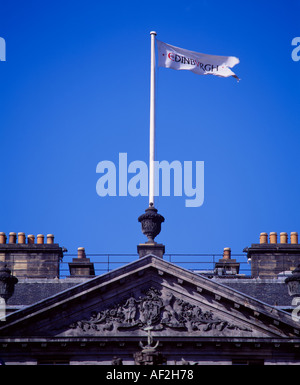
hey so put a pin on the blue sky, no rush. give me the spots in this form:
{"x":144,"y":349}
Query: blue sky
{"x":75,"y":91}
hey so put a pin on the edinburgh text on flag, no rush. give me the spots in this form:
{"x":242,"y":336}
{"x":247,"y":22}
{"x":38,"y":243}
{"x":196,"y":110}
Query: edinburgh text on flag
{"x":199,"y":63}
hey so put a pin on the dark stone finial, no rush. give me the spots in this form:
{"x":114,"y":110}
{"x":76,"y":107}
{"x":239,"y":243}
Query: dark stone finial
{"x":151,"y":223}
{"x":7,"y":282}
{"x":117,"y":361}
{"x":293,"y":282}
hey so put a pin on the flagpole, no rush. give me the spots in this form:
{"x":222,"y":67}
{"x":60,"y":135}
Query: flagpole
{"x":152,"y":121}
{"x":151,"y":221}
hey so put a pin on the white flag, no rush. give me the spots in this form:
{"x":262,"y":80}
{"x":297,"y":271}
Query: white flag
{"x":199,"y":63}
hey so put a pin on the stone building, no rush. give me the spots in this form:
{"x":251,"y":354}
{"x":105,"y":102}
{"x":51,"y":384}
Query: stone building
{"x":149,"y":311}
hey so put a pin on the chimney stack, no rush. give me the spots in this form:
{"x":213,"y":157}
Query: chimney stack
{"x":40,"y":239}
{"x":270,"y":259}
{"x":273,"y":237}
{"x":31,"y":260}
{"x":227,"y":267}
{"x":81,"y":252}
{"x":12,"y":238}
{"x":294,"y":238}
{"x":227,"y":253}
{"x":283,"y":238}
{"x":50,"y":239}
{"x":2,"y":238}
{"x":21,"y":238}
{"x":30,"y":239}
{"x":263,"y":238}
{"x":81,"y":266}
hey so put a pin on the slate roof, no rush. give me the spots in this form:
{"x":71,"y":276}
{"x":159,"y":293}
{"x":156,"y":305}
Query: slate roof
{"x":32,"y":291}
{"x":271,"y":291}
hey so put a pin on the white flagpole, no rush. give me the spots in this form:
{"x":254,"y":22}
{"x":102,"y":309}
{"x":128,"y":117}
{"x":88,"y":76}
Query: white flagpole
{"x":152,"y":121}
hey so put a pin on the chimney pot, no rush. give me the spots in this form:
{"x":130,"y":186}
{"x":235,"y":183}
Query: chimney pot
{"x":2,"y":238}
{"x":50,"y":239}
{"x":21,"y":238}
{"x":40,"y":239}
{"x":12,"y":238}
{"x":283,"y":238}
{"x":294,"y":237}
{"x":81,"y":252}
{"x":30,"y":238}
{"x":273,"y":237}
{"x":263,"y":238}
{"x":227,"y":253}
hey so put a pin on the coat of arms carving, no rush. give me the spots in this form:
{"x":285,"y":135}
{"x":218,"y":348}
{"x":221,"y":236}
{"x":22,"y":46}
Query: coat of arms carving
{"x":155,"y":310}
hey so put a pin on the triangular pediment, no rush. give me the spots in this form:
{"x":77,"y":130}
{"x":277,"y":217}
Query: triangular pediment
{"x":150,"y":292}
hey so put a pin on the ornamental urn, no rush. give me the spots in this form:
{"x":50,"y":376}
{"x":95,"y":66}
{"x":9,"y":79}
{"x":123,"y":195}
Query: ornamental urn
{"x":7,"y":282}
{"x":151,"y":223}
{"x":293,"y":282}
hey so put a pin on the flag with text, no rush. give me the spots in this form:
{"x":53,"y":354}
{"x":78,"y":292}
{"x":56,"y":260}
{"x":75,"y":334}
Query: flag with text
{"x":199,"y":63}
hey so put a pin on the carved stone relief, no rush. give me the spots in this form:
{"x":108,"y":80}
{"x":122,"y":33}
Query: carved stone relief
{"x":153,"y":309}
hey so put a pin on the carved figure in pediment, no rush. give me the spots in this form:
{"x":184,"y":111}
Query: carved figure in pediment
{"x":130,"y":309}
{"x":169,"y":316}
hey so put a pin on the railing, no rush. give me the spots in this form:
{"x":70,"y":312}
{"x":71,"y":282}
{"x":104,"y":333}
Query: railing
{"x":104,"y":263}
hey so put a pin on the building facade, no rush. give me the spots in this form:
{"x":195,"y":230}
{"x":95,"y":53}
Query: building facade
{"x":149,"y":311}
